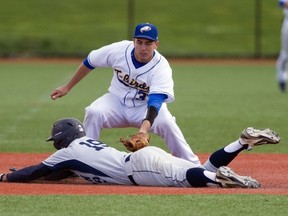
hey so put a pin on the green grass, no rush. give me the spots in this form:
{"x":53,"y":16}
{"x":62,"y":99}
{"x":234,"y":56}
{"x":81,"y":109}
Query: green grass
{"x":215,"y":99}
{"x":193,"y":28}
{"x":169,"y":205}
{"x":214,"y":102}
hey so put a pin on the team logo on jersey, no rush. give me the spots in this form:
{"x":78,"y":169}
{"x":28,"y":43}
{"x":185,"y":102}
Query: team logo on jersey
{"x":145,"y":28}
{"x":133,"y":83}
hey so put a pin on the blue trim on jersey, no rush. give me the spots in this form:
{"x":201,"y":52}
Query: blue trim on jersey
{"x":130,"y":55}
{"x":87,"y":64}
{"x":126,"y":58}
{"x":136,"y":63}
{"x":79,"y":166}
{"x":156,"y":100}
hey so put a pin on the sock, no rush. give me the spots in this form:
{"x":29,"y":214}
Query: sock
{"x":223,"y":156}
{"x":198,"y":177}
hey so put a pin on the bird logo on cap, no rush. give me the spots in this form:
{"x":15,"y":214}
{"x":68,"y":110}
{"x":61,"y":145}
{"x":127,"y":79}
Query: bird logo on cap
{"x":145,"y":28}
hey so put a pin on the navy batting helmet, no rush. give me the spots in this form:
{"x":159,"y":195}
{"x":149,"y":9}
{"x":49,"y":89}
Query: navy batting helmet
{"x":64,"y":131}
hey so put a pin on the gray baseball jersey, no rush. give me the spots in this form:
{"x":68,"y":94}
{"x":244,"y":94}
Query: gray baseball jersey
{"x":98,"y":163}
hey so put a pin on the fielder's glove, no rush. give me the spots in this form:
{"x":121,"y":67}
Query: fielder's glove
{"x":136,"y":141}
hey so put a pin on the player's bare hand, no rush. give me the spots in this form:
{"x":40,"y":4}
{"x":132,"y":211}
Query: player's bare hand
{"x":59,"y":92}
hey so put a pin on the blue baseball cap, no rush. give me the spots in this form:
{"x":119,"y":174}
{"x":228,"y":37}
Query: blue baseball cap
{"x":147,"y":31}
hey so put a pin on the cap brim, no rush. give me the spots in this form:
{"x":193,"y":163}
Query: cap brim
{"x":145,"y":37}
{"x":50,"y":139}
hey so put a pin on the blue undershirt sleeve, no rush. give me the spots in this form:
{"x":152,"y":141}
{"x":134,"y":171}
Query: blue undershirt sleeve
{"x":156,"y":100}
{"x":87,"y":64}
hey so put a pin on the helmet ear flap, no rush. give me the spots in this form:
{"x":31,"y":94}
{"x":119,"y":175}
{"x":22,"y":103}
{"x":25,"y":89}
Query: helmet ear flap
{"x":57,"y":145}
{"x":64,"y":140}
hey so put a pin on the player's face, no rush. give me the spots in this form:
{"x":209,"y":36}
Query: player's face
{"x":144,"y":49}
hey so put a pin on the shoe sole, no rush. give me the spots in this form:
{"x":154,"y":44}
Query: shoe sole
{"x":229,"y":179}
{"x":259,"y":137}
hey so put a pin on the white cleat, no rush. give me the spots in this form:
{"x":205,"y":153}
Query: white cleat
{"x":229,"y":179}
{"x":253,"y":137}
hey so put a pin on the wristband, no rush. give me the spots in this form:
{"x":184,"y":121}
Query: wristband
{"x":151,"y":114}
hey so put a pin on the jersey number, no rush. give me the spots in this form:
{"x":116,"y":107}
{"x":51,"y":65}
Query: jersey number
{"x":141,"y":95}
{"x":97,"y":145}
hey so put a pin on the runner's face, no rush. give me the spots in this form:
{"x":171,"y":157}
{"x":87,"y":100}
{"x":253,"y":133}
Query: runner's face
{"x":144,"y":49}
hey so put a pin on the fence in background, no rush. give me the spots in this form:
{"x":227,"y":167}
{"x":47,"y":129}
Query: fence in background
{"x":254,"y":29}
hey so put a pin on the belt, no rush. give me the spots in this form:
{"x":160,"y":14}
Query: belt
{"x":127,"y":159}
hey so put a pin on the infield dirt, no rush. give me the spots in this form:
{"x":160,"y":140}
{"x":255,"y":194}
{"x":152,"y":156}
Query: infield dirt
{"x":269,"y":169}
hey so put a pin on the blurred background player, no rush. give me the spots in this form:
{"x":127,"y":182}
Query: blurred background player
{"x":281,"y":65}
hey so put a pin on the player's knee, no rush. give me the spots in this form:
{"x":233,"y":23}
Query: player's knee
{"x":196,"y":177}
{"x":91,"y":112}
{"x":167,"y":123}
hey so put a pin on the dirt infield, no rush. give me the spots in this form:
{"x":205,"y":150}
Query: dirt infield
{"x":201,"y":61}
{"x":269,"y":169}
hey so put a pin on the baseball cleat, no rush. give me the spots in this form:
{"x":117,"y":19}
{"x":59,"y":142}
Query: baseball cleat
{"x":228,"y":179}
{"x":253,"y":137}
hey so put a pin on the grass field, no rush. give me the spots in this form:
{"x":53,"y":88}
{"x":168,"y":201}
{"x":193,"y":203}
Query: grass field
{"x":214,"y":102}
{"x":170,"y":205}
{"x":69,"y":28}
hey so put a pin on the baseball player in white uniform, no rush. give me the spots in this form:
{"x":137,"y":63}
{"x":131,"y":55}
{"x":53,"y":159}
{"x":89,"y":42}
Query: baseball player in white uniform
{"x":141,"y":86}
{"x":281,"y":65}
{"x":98,"y":163}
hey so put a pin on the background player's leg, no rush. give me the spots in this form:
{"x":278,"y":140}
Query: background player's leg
{"x":283,"y":57}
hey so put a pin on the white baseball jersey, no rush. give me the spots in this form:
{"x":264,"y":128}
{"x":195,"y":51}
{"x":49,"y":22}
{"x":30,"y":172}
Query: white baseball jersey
{"x":132,"y":85}
{"x":98,"y":163}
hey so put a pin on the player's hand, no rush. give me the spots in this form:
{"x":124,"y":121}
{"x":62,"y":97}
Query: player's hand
{"x":59,"y":92}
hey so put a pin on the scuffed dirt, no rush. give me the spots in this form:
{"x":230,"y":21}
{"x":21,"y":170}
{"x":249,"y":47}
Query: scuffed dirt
{"x":269,"y":169}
